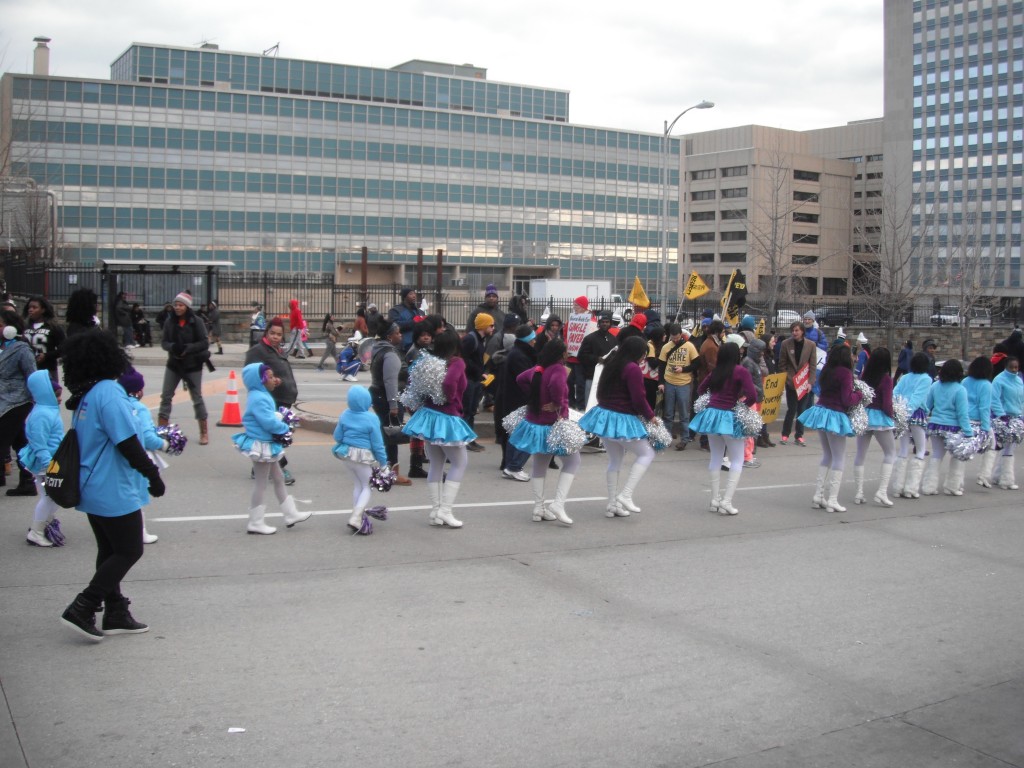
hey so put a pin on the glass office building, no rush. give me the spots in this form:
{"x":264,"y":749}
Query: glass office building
{"x":282,"y":164}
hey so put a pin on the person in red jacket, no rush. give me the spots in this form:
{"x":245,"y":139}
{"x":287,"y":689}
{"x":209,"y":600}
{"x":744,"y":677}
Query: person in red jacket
{"x":296,"y":323}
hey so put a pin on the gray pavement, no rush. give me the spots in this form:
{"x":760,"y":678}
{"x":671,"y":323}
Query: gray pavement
{"x":785,"y":636}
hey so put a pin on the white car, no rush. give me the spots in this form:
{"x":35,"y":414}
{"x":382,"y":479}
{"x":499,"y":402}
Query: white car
{"x":786,"y":317}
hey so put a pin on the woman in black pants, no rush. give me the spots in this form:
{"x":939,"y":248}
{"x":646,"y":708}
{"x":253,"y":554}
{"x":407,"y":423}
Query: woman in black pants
{"x":116,"y":477}
{"x":17,"y":361}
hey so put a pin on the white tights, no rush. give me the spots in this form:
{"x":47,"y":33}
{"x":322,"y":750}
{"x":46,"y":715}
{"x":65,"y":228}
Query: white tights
{"x":437,"y":454}
{"x":885,"y":441}
{"x":360,"y":484}
{"x":916,"y":432}
{"x":267,"y":471}
{"x":617,"y":452}
{"x":720,"y":446}
{"x":833,"y":450}
{"x":570,"y":464}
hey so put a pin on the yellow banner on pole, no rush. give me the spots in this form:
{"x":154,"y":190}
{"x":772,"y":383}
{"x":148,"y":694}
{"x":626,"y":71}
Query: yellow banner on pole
{"x":695,"y":287}
{"x":760,"y":329}
{"x":774,"y":388}
{"x":638,"y":297}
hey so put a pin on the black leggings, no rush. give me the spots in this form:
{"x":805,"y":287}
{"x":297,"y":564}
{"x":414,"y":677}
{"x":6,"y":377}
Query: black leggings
{"x":119,"y":547}
{"x":794,"y":407}
{"x":12,"y":430}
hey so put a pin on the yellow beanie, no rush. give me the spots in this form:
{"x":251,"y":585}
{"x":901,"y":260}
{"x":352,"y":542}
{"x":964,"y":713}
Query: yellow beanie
{"x":483,"y":321}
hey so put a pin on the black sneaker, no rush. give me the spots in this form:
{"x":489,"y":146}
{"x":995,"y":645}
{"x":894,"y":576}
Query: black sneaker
{"x":417,"y":472}
{"x":118,"y":620}
{"x":81,"y":617}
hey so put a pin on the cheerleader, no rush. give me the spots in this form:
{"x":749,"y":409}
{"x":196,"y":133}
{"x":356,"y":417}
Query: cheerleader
{"x":947,"y":414}
{"x":829,"y":417}
{"x":981,"y":408}
{"x":44,"y":431}
{"x":441,"y":427}
{"x":360,"y":444}
{"x":547,"y":389}
{"x":876,"y":375}
{"x":1009,"y":390}
{"x":621,"y":403}
{"x":913,"y":388}
{"x":263,"y":442}
{"x":728,"y":382}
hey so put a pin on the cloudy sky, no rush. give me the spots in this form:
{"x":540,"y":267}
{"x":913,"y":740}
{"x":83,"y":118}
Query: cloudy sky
{"x":795,"y":64}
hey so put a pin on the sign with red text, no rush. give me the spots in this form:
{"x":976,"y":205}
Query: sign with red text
{"x":576,"y":329}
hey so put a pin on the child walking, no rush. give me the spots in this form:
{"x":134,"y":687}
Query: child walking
{"x":359,"y":443}
{"x":948,"y":414}
{"x":1009,"y":389}
{"x":263,"y":442}
{"x":913,"y":388}
{"x":44,"y":431}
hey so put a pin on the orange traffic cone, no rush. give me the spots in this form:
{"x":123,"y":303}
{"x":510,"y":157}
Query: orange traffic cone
{"x":232,"y":416}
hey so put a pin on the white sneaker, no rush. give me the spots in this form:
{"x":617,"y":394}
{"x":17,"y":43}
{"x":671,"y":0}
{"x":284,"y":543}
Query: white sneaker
{"x":521,"y":475}
{"x":350,"y":377}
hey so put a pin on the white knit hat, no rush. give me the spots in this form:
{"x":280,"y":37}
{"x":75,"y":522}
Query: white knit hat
{"x":861,"y":338}
{"x":185,"y":298}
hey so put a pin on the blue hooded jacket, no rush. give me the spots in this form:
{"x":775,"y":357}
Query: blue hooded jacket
{"x":1009,"y":390}
{"x":43,"y":427}
{"x":358,"y":428}
{"x":261,"y":420}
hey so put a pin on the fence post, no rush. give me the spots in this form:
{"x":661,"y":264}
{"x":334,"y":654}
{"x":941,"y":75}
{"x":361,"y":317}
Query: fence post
{"x":440,"y":276}
{"x":364,"y":274}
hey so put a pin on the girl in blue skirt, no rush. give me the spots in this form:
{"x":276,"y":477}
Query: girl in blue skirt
{"x":877,"y":375}
{"x":913,"y":388}
{"x":1008,"y":389}
{"x":621,"y":403}
{"x":947,"y":414}
{"x":830,"y":418}
{"x":547,"y":386}
{"x":728,"y":382}
{"x":983,"y":407}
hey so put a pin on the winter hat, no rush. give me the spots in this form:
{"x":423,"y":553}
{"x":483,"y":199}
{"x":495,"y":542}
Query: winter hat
{"x":639,"y":321}
{"x":371,"y":305}
{"x":735,"y":338}
{"x":861,"y":338}
{"x":809,"y":315}
{"x":929,"y":343}
{"x":132,"y":381}
{"x":483,"y":321}
{"x":583,"y":301}
{"x":511,"y":322}
{"x":748,"y":322}
{"x":185,"y":298}
{"x":405,"y":292}
{"x":525,"y":333}
{"x":841,"y":334}
{"x":606,"y":315}
{"x":491,"y":290}
{"x":708,"y":313}
{"x":705,"y":322}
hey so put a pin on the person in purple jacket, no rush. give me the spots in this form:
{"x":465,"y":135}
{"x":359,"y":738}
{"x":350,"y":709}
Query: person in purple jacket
{"x":877,"y":375}
{"x":547,"y":388}
{"x":621,"y":404}
{"x":444,"y":432}
{"x":829,"y":417}
{"x":728,"y":383}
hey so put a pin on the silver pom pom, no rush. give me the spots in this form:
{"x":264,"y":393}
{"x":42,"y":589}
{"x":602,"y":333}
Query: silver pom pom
{"x":426,"y":382}
{"x":1008,"y":429}
{"x":657,"y":435}
{"x":510,"y":422}
{"x":749,"y":419}
{"x":965,"y":448}
{"x":900,"y":417}
{"x":701,"y":402}
{"x":566,"y":437}
{"x":859,"y":413}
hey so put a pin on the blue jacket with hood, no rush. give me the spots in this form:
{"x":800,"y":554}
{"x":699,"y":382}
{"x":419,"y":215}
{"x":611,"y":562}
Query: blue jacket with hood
{"x":43,"y":427}
{"x":261,"y":421}
{"x":358,"y":428}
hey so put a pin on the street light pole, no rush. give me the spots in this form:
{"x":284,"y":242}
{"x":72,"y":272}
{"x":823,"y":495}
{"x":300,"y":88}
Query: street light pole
{"x":665,"y":192}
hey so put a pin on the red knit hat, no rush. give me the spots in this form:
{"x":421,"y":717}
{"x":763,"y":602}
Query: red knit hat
{"x":639,"y":321}
{"x":583,"y":301}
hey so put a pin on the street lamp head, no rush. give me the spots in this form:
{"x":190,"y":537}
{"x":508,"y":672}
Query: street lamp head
{"x":705,"y":104}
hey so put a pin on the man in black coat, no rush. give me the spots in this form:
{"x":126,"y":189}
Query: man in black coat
{"x":509,"y":396}
{"x":595,"y":346}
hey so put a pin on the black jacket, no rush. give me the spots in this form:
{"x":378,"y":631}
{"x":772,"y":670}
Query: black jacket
{"x":186,"y":341}
{"x":595,"y":346}
{"x":509,"y":396}
{"x":287,"y":392}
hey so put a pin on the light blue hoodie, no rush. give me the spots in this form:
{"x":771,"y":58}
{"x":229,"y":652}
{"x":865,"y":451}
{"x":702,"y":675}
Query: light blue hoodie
{"x":947,"y":405}
{"x":358,"y":428}
{"x":980,"y":403}
{"x":43,"y":427}
{"x":260,"y":420}
{"x":913,"y":387}
{"x":1009,"y":390}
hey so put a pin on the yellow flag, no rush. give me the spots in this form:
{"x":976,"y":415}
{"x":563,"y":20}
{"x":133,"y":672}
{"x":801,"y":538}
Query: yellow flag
{"x":637,"y":297}
{"x":760,"y":328}
{"x":695,"y":287}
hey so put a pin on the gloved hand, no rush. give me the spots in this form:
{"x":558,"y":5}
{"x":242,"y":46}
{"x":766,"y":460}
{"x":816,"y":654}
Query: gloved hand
{"x":178,"y":349}
{"x":156,"y":486}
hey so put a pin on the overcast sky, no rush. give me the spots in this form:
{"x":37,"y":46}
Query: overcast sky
{"x":795,"y":64}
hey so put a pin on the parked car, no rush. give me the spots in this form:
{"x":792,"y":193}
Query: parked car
{"x":867,"y":317}
{"x":786,"y":317}
{"x":951,"y":314}
{"x":833,"y":315}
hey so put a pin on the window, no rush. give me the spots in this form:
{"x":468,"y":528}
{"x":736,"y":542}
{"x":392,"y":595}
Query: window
{"x":799,"y":258}
{"x":874,"y":158}
{"x":703,"y":216}
{"x":734,"y":192}
{"x":873,"y":193}
{"x":833,"y":286}
{"x":707,"y":194}
{"x":735,"y":170}
{"x":810,"y":197}
{"x":874,"y":175}
{"x":736,"y":213}
{"x":702,"y":257}
{"x":805,"y":239}
{"x":732,"y":258}
{"x":734,"y":237}
{"x":806,"y":175}
{"x":705,"y":174}
{"x":702,"y":237}
{"x":805,"y":218}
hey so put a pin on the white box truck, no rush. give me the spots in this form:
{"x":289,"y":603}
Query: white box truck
{"x":598,"y":293}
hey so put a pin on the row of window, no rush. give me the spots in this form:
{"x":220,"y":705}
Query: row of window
{"x":146,"y":137}
{"x":725,"y":237}
{"x":54,"y":90}
{"x":733,"y":213}
{"x":709,"y":194}
{"x":189,"y":220}
{"x":710,"y":173}
{"x":863,"y":158}
{"x":142,"y":177}
{"x":724,"y":258}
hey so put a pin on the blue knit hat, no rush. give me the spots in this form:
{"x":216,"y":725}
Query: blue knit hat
{"x":748,"y":323}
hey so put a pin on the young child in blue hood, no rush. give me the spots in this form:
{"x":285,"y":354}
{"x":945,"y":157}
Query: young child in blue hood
{"x":360,"y":444}
{"x":44,"y":431}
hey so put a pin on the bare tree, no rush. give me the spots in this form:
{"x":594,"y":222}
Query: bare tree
{"x":971,"y":268}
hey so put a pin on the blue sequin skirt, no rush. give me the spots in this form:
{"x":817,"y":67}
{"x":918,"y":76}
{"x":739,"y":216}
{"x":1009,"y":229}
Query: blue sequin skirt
{"x":878,"y":421}
{"x":612,"y":424}
{"x":919,"y":418}
{"x":827,"y":420}
{"x":717,"y":421}
{"x":530,"y":438}
{"x":260,"y":451}
{"x":439,"y":428}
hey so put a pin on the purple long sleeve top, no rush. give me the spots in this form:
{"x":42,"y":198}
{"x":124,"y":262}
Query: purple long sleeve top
{"x":631,"y":397}
{"x":741,"y":385}
{"x":554,"y":390}
{"x":454,"y":386}
{"x":883,"y":396}
{"x":840,"y":394}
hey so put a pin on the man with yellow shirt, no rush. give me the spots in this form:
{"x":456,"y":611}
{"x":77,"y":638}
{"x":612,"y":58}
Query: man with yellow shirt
{"x":678,"y":362}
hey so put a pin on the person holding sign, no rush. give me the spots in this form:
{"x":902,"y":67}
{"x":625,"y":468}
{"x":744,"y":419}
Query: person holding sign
{"x":581,"y":322}
{"x":797,"y":361}
{"x":621,"y":404}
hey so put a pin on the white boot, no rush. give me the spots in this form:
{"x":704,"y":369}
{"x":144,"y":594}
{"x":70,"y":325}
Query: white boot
{"x":988,"y":463}
{"x":899,"y":477}
{"x":36,"y":535}
{"x":716,"y":492}
{"x":614,"y":509}
{"x":291,"y":514}
{"x":954,"y":485}
{"x":882,"y":494}
{"x":449,"y":491}
{"x":912,"y":490}
{"x":725,"y":507}
{"x":147,"y":537}
{"x":434,"y":491}
{"x":858,"y":478}
{"x":557,"y":507}
{"x":1006,"y":475}
{"x":625,"y":497}
{"x":256,"y":524}
{"x":835,"y":479}
{"x":818,"y":500}
{"x":930,"y":483}
{"x":539,"y":513}
{"x":355,"y":520}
